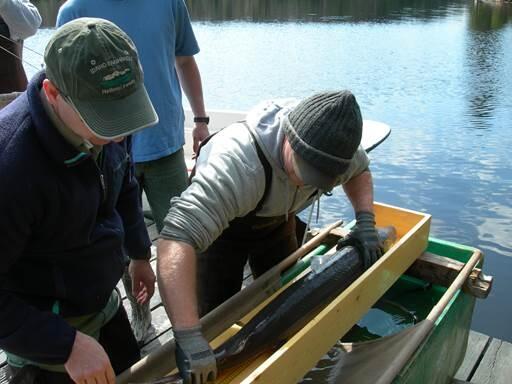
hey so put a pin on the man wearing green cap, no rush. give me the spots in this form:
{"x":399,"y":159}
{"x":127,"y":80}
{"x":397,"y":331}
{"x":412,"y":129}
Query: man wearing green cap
{"x":249,"y":181}
{"x":70,"y":209}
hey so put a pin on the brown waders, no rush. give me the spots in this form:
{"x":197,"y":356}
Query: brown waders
{"x":263,"y":241}
{"x":12,"y":74}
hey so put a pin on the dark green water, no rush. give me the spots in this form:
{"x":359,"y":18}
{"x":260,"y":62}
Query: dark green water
{"x":438,"y":72}
{"x":383,"y":319}
{"x":405,"y":304}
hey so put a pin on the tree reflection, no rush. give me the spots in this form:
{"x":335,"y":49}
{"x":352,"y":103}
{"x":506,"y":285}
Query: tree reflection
{"x":484,"y":15}
{"x":488,"y":15}
{"x":320,"y":10}
{"x":485,"y":66}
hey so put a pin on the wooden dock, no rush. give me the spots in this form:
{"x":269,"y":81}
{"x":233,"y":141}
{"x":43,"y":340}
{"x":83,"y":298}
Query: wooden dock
{"x":487,"y":361}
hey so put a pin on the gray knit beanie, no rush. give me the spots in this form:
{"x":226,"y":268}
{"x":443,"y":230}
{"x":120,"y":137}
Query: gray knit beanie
{"x":325,"y":130}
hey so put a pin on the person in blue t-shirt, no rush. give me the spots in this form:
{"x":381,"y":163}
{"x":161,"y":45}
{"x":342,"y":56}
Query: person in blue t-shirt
{"x":166,"y":43}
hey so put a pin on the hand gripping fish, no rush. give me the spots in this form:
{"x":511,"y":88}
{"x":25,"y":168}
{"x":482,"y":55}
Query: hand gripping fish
{"x":291,"y":310}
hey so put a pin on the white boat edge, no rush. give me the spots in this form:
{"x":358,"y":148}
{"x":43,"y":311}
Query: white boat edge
{"x":374,"y":132}
{"x":219,"y":118}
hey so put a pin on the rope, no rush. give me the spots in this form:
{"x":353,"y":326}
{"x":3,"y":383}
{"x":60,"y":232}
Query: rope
{"x":19,"y":58}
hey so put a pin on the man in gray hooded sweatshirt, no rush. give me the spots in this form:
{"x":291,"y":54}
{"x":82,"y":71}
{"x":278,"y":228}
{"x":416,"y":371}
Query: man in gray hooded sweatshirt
{"x":249,"y":181}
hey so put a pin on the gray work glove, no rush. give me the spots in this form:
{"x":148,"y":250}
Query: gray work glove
{"x":194,"y":357}
{"x":365,"y":238}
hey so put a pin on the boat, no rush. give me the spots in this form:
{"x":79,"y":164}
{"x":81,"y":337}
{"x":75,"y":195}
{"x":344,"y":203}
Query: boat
{"x":430,"y":352}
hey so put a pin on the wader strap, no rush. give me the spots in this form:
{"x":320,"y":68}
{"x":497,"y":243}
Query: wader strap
{"x":4,"y":29}
{"x":267,"y":168}
{"x":201,"y":144}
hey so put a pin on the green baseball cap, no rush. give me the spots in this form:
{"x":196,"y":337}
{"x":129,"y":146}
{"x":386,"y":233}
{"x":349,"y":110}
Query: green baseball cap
{"x":95,"y":66}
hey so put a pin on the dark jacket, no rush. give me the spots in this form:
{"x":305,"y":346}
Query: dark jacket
{"x":61,"y":231}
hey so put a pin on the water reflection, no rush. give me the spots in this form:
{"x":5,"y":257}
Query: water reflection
{"x":488,"y":15}
{"x":484,"y":72}
{"x":484,"y":16}
{"x":386,"y":318}
{"x":323,"y":10}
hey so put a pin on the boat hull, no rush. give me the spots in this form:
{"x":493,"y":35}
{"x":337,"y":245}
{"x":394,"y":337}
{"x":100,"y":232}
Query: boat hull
{"x":439,"y":357}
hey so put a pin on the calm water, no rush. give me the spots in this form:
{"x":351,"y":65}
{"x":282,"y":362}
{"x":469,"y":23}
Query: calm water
{"x":438,"y":72}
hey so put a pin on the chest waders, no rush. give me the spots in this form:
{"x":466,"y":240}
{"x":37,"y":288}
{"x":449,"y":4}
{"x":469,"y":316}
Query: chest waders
{"x":263,"y":241}
{"x":12,"y":74}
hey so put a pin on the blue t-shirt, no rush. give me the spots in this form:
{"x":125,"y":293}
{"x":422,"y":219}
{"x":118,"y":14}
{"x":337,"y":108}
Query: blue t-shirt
{"x":161,"y":30}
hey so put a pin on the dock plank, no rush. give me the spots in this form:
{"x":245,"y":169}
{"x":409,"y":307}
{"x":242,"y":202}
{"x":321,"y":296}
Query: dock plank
{"x":3,"y":375}
{"x":157,"y":342}
{"x":477,"y":344}
{"x":153,"y":233}
{"x":161,"y":331}
{"x":161,"y":322}
{"x":495,"y":367}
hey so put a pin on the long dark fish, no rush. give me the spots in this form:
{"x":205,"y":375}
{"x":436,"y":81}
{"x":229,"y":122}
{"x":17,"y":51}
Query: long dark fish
{"x":290,"y":311}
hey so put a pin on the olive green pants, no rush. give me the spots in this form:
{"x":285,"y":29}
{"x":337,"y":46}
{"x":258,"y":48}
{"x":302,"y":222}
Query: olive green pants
{"x":161,"y":180}
{"x":117,"y":339}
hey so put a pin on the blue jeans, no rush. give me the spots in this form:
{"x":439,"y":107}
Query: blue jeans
{"x":162,"y":179}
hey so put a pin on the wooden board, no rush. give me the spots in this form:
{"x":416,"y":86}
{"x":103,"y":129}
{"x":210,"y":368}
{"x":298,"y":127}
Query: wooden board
{"x":495,"y":367}
{"x":477,"y":345}
{"x":3,"y":376}
{"x":443,"y":271}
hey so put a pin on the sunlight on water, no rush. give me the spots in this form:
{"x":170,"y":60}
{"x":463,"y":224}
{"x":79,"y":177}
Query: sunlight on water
{"x":384,"y":319}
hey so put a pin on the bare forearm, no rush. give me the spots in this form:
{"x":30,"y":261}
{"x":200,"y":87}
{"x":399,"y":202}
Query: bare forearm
{"x":190,"y":80}
{"x":359,"y":190}
{"x":176,"y":273}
